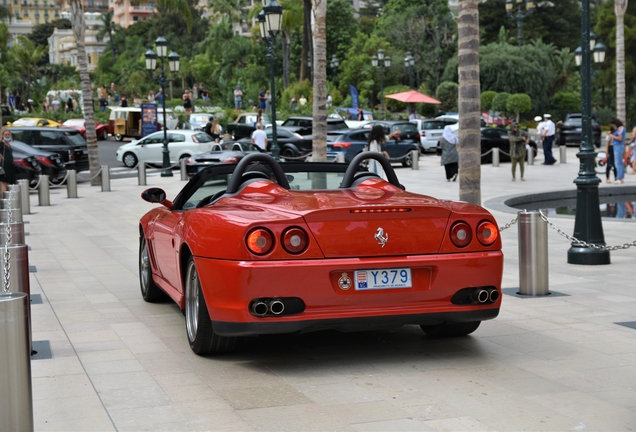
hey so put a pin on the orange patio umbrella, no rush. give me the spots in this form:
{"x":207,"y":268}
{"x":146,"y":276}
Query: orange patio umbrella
{"x":413,"y":97}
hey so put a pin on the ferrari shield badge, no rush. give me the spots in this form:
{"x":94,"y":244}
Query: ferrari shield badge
{"x":344,"y":282}
{"x":381,"y":237}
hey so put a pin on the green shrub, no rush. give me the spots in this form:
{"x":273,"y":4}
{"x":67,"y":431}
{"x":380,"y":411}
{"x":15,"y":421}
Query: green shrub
{"x":486,"y":100}
{"x":447,"y":93}
{"x":604,"y":116}
{"x":567,"y":102}
{"x":500,"y":102}
{"x":519,"y":103}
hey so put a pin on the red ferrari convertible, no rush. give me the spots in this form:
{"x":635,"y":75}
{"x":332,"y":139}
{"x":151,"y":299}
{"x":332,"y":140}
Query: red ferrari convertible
{"x":263,"y":248}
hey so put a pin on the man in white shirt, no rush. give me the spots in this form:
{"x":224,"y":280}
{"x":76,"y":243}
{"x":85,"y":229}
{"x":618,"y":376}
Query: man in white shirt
{"x":549,"y":130}
{"x":259,"y":137}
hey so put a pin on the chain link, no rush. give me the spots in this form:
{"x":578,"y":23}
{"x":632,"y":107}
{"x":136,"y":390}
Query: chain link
{"x":91,"y":178}
{"x":7,"y":254}
{"x":508,"y":225}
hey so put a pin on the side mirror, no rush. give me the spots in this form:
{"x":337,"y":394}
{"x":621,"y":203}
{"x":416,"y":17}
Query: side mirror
{"x":156,"y":196}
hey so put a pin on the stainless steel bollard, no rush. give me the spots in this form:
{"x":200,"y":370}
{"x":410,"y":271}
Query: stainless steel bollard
{"x":16,"y":215}
{"x":14,"y":193}
{"x":25,"y":196}
{"x":16,"y":397}
{"x":105,"y":178}
{"x":563,"y":154}
{"x":141,"y":174}
{"x":44,"y":198}
{"x":6,"y":203}
{"x":530,"y":153}
{"x":71,"y":184}
{"x":340,"y":158}
{"x":18,"y":273}
{"x":182,"y":168}
{"x":415,"y":160}
{"x":17,"y":233}
{"x":495,"y":156}
{"x":533,"y":254}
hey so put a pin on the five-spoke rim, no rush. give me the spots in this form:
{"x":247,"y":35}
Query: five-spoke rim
{"x":192,"y":301}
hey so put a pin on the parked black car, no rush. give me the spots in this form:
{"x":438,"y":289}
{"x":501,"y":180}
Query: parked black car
{"x":66,"y":142}
{"x":408,"y":130}
{"x":353,"y":141}
{"x":291,"y":141}
{"x":569,"y":132}
{"x":51,"y":164}
{"x":303,"y":124}
{"x":230,"y":152}
{"x":26,"y":167}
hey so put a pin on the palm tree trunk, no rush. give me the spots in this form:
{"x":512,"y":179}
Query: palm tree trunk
{"x":319,"y":148}
{"x":306,"y":39}
{"x":77,"y":21}
{"x":285,"y":44}
{"x":620,"y":7}
{"x":469,"y":103}
{"x":112,"y":47}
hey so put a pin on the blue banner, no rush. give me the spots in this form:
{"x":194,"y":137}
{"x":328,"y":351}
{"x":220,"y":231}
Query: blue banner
{"x":354,"y":96}
{"x":148,"y":119}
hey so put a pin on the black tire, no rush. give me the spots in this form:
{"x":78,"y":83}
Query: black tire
{"x":119,"y":137}
{"x":199,"y":330}
{"x":104,"y":134}
{"x":130,"y":160}
{"x":288,"y":153}
{"x":408,"y":160}
{"x":149,"y":290}
{"x":446,"y":330}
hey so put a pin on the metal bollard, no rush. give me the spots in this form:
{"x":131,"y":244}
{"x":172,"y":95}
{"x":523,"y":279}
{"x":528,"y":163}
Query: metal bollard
{"x":25,"y":196}
{"x":340,"y":158}
{"x":16,"y":397}
{"x":415,"y":160}
{"x":531,"y":155}
{"x":533,"y":254}
{"x":14,"y":192}
{"x":71,"y":184}
{"x":105,"y":178}
{"x":6,"y":203}
{"x":563,"y":154}
{"x":183,"y":168}
{"x":17,"y":233}
{"x":16,"y":215}
{"x":495,"y":156}
{"x":44,"y":199}
{"x":141,"y":174}
{"x":18,"y":272}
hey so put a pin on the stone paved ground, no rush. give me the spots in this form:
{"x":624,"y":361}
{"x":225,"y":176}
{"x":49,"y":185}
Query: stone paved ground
{"x":552,"y":363}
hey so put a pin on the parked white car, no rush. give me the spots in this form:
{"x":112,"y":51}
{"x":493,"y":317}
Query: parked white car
{"x":430,"y":132}
{"x":181,"y":143}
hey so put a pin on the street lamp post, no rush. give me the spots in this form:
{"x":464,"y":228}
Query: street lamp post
{"x":381,"y":62}
{"x":334,"y":67}
{"x":520,"y":16}
{"x":163,"y":81}
{"x":270,"y":23}
{"x":409,"y":61}
{"x":598,"y":54}
{"x":587,"y":224}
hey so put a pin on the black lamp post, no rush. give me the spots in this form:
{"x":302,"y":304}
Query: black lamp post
{"x":381,"y":62}
{"x":409,"y":61}
{"x":334,"y":67}
{"x":270,"y":22}
{"x":598,"y":54}
{"x":163,"y":81}
{"x":520,"y":15}
{"x":587,"y":224}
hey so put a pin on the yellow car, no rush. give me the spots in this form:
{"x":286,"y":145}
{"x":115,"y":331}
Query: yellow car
{"x":33,"y":121}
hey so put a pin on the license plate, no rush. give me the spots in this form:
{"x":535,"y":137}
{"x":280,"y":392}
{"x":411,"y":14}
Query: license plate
{"x":382,"y":279}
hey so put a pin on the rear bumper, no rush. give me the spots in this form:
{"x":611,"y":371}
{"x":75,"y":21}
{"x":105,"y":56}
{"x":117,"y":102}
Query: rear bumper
{"x":230,"y":286}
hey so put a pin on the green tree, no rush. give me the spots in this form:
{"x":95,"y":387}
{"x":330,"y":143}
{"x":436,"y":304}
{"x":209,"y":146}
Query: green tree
{"x":447,"y":93}
{"x":500,"y":102}
{"x":26,"y":57}
{"x":341,"y":28}
{"x":519,"y":103}
{"x":108,"y":28}
{"x":566,"y":102}
{"x":486,"y":99}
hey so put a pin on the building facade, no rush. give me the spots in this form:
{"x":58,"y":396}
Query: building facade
{"x":125,"y":13}
{"x":62,"y":47}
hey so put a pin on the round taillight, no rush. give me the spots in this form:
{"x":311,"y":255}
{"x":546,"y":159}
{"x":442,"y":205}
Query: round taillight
{"x":461,"y":234}
{"x":260,"y":241}
{"x":294,"y":240}
{"x":487,"y":233}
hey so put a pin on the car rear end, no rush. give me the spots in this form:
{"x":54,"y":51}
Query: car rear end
{"x":26,"y":167}
{"x":77,"y":151}
{"x":340,"y":143}
{"x":350,"y":263}
{"x":432,"y":131}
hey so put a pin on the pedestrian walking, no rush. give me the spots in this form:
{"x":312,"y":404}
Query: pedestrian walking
{"x":151,"y":97}
{"x":549,"y":130}
{"x":160,"y":96}
{"x":262,"y":99}
{"x":610,"y":164}
{"x":268,"y":102}
{"x":7,"y":170}
{"x":376,"y":140}
{"x":259,"y":137}
{"x":360,"y":115}
{"x":518,"y":141}
{"x":302,"y":101}
{"x":450,"y":156}
{"x":187,"y":101}
{"x":123,"y":102}
{"x":238,"y":99}
{"x":618,"y":142}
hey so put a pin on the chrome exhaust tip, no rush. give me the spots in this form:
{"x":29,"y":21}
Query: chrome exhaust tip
{"x":276,"y":307}
{"x":259,"y":308}
{"x":479,"y":296}
{"x":493,"y":296}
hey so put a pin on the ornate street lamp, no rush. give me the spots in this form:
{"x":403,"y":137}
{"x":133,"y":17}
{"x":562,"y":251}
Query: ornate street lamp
{"x":588,"y":227}
{"x":409,"y":61}
{"x":598,"y":50}
{"x":163,"y":81}
{"x":334,"y":67}
{"x":381,"y":62}
{"x":270,"y":23}
{"x":520,"y":16}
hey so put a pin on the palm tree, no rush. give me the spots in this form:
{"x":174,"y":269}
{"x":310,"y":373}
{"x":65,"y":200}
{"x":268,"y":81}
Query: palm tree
{"x":107,"y":28}
{"x":292,"y":19}
{"x":469,"y":103}
{"x":620,"y":7}
{"x":26,"y":56}
{"x":319,"y":147}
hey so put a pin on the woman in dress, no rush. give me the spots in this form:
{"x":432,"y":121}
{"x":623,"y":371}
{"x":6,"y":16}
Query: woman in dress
{"x":450,"y":157}
{"x":7,"y":173}
{"x":376,"y":140}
